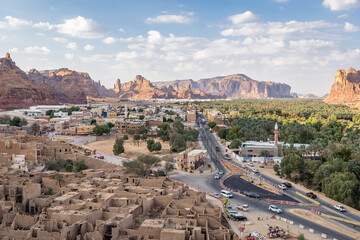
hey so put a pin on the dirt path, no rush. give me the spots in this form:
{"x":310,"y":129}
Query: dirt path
{"x":133,"y":149}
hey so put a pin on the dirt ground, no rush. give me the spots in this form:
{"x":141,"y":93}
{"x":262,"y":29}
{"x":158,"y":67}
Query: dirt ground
{"x":322,"y":221}
{"x":64,"y":138}
{"x":133,"y":149}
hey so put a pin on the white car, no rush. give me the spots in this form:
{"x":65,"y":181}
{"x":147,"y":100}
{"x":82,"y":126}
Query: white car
{"x":243,"y":208}
{"x":275,"y":209}
{"x":251,"y":164}
{"x":217,"y":176}
{"x":340,"y":208}
{"x":226,"y":193}
{"x":221,"y":172}
{"x":255,"y":170}
{"x":282,"y":186}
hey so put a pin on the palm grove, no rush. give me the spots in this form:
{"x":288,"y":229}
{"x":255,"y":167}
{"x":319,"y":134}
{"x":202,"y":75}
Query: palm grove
{"x":332,"y":165}
{"x":177,"y":135}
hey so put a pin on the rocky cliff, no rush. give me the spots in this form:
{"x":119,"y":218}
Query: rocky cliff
{"x":233,"y":86}
{"x":141,"y":88}
{"x":68,"y":86}
{"x":16,"y":90}
{"x":346,"y":88}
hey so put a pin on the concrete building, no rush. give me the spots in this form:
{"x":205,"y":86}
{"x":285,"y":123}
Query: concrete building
{"x":189,"y":161}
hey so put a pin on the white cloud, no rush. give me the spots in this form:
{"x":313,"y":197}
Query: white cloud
{"x":97,"y":58}
{"x":62,"y":40}
{"x":126,"y":56}
{"x":307,"y":44}
{"x":81,"y":27}
{"x":338,"y":5}
{"x":89,"y":47}
{"x":109,"y":40}
{"x":281,"y":0}
{"x":121,"y":30}
{"x":183,"y":18}
{"x":14,"y":23}
{"x":243,"y":17}
{"x":43,"y":26}
{"x":69,"y":56}
{"x":37,"y":50}
{"x":72,"y":45}
{"x":154,"y":37}
{"x":348,"y":27}
{"x":293,"y":28}
{"x":343,"y":15}
{"x":13,"y":50}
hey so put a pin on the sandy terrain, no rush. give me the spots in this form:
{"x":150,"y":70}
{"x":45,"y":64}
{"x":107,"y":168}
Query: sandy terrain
{"x":306,"y":214}
{"x":133,"y":149}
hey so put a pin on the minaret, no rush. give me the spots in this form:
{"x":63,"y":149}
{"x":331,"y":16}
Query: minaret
{"x":189,"y":97}
{"x":276,"y":136}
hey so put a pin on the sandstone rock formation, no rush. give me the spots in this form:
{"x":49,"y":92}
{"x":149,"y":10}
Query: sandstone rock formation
{"x":141,"y":88}
{"x":233,"y":86}
{"x":67,"y":86}
{"x":346,"y":88}
{"x":16,"y":90}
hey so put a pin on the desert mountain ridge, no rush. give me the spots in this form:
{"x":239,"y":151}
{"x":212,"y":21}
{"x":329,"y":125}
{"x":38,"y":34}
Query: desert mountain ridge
{"x":346,"y":88}
{"x":16,"y":90}
{"x":68,"y":86}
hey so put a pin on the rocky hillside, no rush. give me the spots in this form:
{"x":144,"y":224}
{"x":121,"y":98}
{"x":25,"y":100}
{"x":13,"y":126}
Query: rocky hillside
{"x":67,"y":86}
{"x":346,"y":88}
{"x":141,"y":88}
{"x":233,"y":86}
{"x":16,"y":90}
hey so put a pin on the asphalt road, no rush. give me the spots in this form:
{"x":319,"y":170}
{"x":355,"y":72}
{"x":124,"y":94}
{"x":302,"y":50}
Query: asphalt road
{"x":206,"y":182}
{"x":81,"y":141}
{"x":237,"y":183}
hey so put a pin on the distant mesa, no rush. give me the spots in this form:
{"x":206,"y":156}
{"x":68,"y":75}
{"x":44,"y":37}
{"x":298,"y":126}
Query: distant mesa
{"x":68,"y":86}
{"x":346,"y":88}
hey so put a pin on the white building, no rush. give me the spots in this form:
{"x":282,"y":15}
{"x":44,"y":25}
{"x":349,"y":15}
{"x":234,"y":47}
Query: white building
{"x":18,"y":162}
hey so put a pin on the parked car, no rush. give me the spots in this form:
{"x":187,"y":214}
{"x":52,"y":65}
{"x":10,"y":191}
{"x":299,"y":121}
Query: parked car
{"x":340,"y":208}
{"x":287,"y":184}
{"x":221,"y":172}
{"x":255,"y":170}
{"x":226,"y":193}
{"x":217,"y":176}
{"x":229,"y":208}
{"x":237,"y":216}
{"x":261,"y":166}
{"x":101,"y":157}
{"x":275,"y":209}
{"x":227,"y":156}
{"x":243,"y":208}
{"x":251,"y":164}
{"x":217,"y":149}
{"x":252,"y":195}
{"x":282,"y":186}
{"x":217,"y":195}
{"x":311,"y":195}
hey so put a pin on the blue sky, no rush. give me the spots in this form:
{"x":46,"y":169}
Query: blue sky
{"x":298,"y":42}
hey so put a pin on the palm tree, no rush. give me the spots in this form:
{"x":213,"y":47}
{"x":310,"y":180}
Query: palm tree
{"x":59,"y":177}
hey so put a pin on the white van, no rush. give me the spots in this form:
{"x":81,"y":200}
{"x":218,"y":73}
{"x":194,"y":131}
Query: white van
{"x":226,"y":193}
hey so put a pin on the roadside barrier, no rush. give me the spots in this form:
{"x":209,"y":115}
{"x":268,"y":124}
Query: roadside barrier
{"x":341,"y":219}
{"x":283,"y":202}
{"x":316,"y":203}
